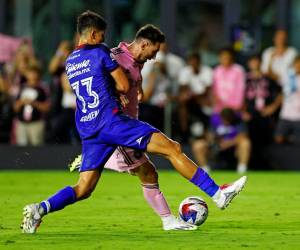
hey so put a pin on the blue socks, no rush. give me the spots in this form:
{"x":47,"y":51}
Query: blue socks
{"x":62,"y":198}
{"x":204,"y":182}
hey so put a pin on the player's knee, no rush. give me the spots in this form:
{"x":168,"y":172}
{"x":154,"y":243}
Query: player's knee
{"x":147,"y":173}
{"x":152,"y":176}
{"x":176,"y":148}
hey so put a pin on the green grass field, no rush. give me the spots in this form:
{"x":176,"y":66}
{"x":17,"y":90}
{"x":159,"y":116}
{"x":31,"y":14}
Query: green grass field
{"x":266,"y":215}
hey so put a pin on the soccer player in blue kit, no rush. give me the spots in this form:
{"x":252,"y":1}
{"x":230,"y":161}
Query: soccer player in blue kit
{"x":96,"y":78}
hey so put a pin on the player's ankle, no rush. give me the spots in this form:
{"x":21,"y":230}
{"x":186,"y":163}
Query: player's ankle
{"x":217,"y":195}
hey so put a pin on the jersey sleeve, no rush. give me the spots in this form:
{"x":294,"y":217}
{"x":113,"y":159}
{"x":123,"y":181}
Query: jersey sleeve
{"x":108,"y":62}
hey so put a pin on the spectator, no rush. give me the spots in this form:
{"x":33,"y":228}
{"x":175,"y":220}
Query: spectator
{"x":56,"y":69}
{"x":6,"y":112}
{"x":63,"y":125}
{"x":173,"y":65}
{"x":156,"y":94}
{"x":194,"y":80}
{"x":30,"y":107}
{"x":15,"y":70}
{"x":227,"y":136}
{"x":288,"y":127}
{"x":278,"y":59}
{"x":262,"y":101}
{"x":208,"y":55}
{"x":228,"y":83}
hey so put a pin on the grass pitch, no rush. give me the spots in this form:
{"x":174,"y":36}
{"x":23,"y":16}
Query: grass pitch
{"x":266,"y":215}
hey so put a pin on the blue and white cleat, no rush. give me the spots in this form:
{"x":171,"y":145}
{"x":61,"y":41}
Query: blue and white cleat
{"x":227,"y":192}
{"x":173,"y":223}
{"x":32,"y":218}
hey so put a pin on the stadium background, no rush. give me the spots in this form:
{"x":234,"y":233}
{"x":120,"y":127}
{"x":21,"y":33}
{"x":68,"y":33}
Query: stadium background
{"x":185,"y":23}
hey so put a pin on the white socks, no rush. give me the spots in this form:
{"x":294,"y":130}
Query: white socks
{"x":242,"y":168}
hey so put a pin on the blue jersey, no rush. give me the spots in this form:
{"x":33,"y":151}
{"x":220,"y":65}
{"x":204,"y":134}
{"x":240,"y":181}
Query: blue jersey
{"x":100,"y":123}
{"x":88,"y":69}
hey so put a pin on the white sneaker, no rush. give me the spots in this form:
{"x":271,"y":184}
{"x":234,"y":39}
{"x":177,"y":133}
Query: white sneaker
{"x":227,"y":192}
{"x":173,"y":223}
{"x":32,"y":218}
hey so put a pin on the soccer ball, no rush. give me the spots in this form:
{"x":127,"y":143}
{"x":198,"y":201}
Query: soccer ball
{"x":193,"y":210}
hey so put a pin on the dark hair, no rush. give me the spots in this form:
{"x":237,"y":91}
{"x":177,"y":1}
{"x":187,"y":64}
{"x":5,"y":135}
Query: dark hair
{"x":152,"y":33}
{"x":229,"y":115}
{"x":90,"y":19}
{"x":228,"y":50}
{"x":254,"y":56}
{"x":35,"y":68}
{"x":194,"y":55}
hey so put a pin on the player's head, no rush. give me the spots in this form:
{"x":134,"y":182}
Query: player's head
{"x":297,"y":64}
{"x":91,"y":27}
{"x":149,"y":38}
{"x":226,"y":57}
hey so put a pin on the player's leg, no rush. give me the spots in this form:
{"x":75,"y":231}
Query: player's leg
{"x":132,"y":133}
{"x":155,"y":198}
{"x":222,"y":196}
{"x":33,"y":213}
{"x":243,"y":148}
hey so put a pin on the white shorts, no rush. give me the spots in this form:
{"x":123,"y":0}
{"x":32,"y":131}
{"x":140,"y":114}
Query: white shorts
{"x":125,"y":159}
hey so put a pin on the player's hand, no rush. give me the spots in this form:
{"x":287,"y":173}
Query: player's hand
{"x":124,"y":101}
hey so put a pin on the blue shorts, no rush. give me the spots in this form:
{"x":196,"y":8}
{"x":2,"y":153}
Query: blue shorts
{"x":118,"y":130}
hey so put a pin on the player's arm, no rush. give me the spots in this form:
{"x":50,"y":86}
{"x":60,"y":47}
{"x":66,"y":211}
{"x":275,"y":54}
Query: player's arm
{"x":122,"y":84}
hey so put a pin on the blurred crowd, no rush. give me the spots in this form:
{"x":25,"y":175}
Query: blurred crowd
{"x":226,"y":111}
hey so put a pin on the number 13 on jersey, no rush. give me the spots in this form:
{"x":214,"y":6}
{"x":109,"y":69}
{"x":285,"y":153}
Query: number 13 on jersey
{"x":87,"y":82}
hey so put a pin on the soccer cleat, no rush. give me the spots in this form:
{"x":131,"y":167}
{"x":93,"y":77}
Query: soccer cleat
{"x":75,"y":164}
{"x":32,"y":218}
{"x":227,"y":192}
{"x":173,"y":223}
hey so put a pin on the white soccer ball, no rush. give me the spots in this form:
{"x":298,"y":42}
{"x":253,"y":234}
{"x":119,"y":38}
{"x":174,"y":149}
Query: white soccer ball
{"x":193,"y":210}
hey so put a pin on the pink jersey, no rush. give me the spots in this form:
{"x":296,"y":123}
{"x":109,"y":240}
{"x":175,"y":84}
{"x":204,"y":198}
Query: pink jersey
{"x":127,"y":159}
{"x":132,"y":70}
{"x":229,"y":87}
